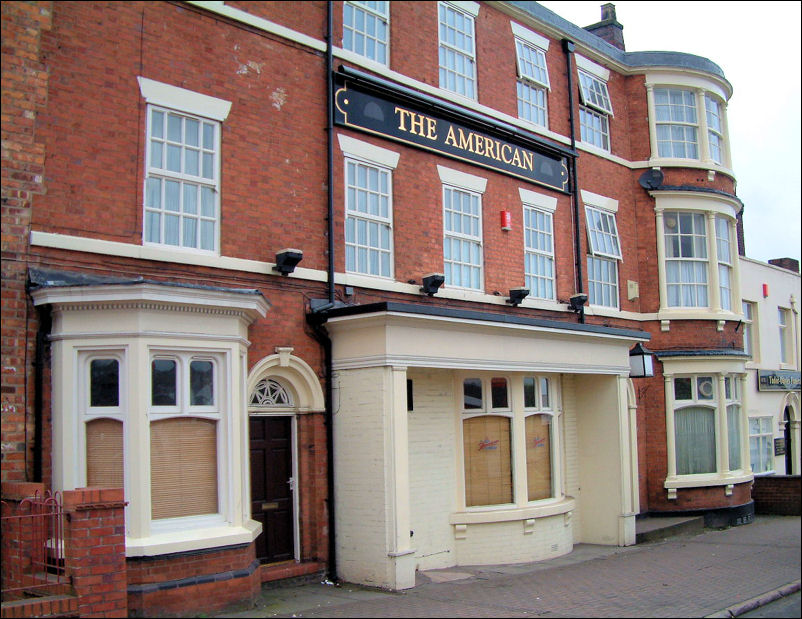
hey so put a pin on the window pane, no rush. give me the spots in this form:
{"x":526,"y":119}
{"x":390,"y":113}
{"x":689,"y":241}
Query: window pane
{"x":183,"y":467}
{"x":201,"y":383}
{"x":530,"y":396}
{"x":488,"y":467}
{"x":498,"y":393}
{"x":472,"y":393}
{"x":104,"y":386}
{"x":163,"y":383}
{"x":682,"y":389}
{"x":104,"y":453}
{"x":734,"y":435}
{"x":695,"y":438}
{"x":538,"y":457}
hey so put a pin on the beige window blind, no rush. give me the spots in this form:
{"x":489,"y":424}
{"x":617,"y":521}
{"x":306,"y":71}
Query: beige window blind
{"x":183,"y":467}
{"x":488,"y":467}
{"x":104,"y":453}
{"x":538,"y":456}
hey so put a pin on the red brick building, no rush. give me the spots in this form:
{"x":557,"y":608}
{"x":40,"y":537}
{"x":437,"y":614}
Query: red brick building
{"x":364,"y":307}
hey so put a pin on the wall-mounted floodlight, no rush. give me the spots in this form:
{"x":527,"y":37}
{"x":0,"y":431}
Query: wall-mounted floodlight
{"x":432,"y":283}
{"x":577,"y":302}
{"x":517,"y":295}
{"x":287,"y":260}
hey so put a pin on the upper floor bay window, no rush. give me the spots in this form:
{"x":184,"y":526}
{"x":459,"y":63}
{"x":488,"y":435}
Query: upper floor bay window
{"x":457,"y":49}
{"x":182,"y":167}
{"x":533,"y":83}
{"x":699,"y":260}
{"x":687,"y":120}
{"x":366,"y":29}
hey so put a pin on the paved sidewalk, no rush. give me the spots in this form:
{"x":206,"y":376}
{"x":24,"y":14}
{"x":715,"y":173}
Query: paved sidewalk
{"x":718,"y":573}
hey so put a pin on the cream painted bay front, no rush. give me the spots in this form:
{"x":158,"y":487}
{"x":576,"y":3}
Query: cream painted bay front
{"x":465,"y":442}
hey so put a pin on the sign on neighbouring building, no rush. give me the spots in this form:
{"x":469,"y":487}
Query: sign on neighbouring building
{"x":778,"y":380}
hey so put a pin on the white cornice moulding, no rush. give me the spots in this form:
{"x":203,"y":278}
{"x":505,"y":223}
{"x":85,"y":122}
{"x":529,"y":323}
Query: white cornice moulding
{"x":174,"y":97}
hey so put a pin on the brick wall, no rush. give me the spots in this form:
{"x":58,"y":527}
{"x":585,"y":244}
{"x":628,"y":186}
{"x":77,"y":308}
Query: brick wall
{"x":25,"y":84}
{"x":777,"y":494}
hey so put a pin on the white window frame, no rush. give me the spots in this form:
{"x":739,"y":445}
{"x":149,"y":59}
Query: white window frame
{"x":474,"y":186}
{"x":216,"y":412}
{"x":696,"y":284}
{"x":375,"y":156}
{"x":784,"y":327}
{"x":88,"y":413}
{"x":671,"y":203}
{"x":539,"y":254}
{"x":369,"y":10}
{"x":357,"y":218}
{"x":200,"y":107}
{"x":594,"y":128}
{"x":725,"y":257}
{"x":594,"y":93}
{"x":728,"y":389}
{"x":688,"y":126}
{"x":517,"y":412}
{"x":465,"y":54}
{"x":532,"y":86}
{"x":714,"y":114}
{"x":763,"y":442}
{"x":604,"y":250}
{"x":750,"y":330}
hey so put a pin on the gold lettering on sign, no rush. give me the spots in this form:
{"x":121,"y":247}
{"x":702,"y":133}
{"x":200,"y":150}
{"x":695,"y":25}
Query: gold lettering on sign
{"x":419,"y":124}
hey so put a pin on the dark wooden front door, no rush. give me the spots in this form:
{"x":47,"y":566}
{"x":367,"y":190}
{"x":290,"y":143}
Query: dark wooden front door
{"x":271,"y":490}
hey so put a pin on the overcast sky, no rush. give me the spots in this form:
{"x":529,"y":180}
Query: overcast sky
{"x":757,"y":44}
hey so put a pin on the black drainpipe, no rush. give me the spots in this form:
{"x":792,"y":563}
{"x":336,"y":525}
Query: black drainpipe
{"x":316,"y":322}
{"x":45,"y":322}
{"x":568,"y":48}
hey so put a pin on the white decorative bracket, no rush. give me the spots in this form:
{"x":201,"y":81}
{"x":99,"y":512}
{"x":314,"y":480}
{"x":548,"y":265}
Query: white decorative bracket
{"x":665,"y":325}
{"x":728,"y":490}
{"x":720,"y":325}
{"x":460,"y":531}
{"x":529,"y":526}
{"x":672,"y":494}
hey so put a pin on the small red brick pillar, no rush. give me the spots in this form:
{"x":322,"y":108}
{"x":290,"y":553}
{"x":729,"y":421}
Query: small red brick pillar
{"x":94,"y":550}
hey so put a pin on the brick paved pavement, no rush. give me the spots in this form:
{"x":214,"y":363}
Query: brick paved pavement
{"x":718,"y":572}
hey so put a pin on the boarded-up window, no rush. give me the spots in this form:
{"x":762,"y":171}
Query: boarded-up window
{"x":488,"y":466}
{"x":183,"y":467}
{"x":538,"y":456}
{"x":104,"y":453}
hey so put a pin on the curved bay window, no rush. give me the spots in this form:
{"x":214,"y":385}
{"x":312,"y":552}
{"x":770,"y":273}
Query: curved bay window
{"x":502,"y":416}
{"x":707,"y":421}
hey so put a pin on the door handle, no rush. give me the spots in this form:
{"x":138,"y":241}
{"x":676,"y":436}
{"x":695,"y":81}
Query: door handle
{"x":266,"y":507}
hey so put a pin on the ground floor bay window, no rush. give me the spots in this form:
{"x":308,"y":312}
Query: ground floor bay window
{"x":147,"y":395}
{"x":462,"y":439}
{"x":706,"y":428}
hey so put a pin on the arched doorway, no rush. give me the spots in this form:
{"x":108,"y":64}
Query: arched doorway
{"x":281,"y":387}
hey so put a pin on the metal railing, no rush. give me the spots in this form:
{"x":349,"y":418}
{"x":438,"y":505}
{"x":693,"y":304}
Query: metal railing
{"x":33,"y":547}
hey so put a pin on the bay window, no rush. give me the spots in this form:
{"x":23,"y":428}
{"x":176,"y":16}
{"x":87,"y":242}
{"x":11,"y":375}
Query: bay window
{"x":706,"y":426}
{"x":697,"y":258}
{"x":687,"y":119}
{"x":499,"y":416}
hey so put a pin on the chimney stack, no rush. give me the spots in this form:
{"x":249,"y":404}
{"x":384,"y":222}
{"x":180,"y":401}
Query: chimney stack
{"x":608,"y":28}
{"x":786,"y":263}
